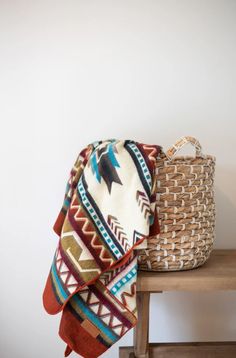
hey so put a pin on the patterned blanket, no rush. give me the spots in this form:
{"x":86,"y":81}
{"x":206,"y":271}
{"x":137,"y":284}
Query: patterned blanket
{"x":108,"y":211}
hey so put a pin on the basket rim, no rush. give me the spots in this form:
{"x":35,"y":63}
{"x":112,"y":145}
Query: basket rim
{"x":189,"y":157}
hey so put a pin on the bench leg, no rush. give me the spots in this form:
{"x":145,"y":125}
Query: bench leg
{"x":141,"y":330}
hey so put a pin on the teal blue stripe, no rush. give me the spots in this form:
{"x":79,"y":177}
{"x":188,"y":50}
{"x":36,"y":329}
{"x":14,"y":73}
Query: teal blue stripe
{"x":94,"y":318}
{"x":142,"y":163}
{"x":67,"y":202}
{"x":132,"y":273}
{"x":62,"y":291}
{"x":112,"y":155}
{"x":95,"y":167}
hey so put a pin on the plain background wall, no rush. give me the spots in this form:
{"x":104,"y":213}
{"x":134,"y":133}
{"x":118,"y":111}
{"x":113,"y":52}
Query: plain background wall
{"x":76,"y":71}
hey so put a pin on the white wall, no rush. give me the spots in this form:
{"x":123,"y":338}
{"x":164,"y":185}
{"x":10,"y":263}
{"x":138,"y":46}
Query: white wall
{"x":77,"y":71}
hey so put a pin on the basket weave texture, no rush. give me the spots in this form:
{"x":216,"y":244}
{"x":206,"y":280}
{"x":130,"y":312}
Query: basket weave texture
{"x":186,"y":211}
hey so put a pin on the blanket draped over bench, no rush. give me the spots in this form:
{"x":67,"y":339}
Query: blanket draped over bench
{"x":108,"y":211}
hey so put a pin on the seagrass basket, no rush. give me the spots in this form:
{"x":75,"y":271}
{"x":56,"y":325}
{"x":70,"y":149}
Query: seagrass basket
{"x":186,"y":211}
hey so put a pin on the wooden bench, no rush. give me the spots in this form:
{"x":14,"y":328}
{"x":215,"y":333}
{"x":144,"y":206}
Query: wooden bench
{"x":218,"y":273}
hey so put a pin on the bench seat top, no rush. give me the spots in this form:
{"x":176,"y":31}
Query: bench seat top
{"x":217,"y":273}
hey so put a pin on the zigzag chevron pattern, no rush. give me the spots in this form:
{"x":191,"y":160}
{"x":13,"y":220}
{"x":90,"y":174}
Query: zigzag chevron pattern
{"x":88,"y":230}
{"x":143,"y":203}
{"x":118,"y":230}
{"x":137,"y":236}
{"x":153,"y":152}
{"x":103,"y":312}
{"x":107,"y":276}
{"x":65,"y":275}
{"x":127,"y":296}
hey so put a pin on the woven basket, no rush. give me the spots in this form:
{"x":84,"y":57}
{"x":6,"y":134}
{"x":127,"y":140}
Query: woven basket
{"x":186,"y":211}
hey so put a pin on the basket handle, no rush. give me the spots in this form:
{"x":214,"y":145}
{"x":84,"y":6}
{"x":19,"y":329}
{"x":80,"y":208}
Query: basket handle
{"x":171,"y":152}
